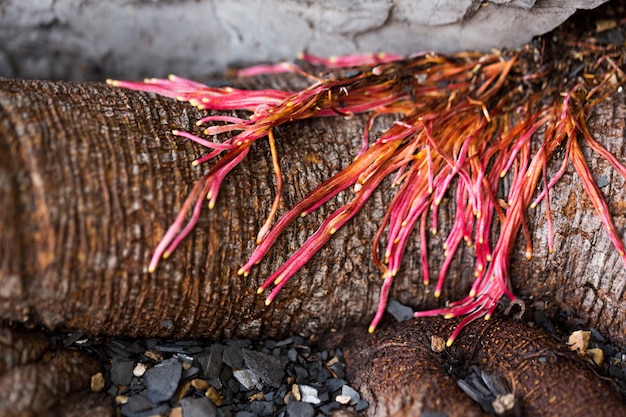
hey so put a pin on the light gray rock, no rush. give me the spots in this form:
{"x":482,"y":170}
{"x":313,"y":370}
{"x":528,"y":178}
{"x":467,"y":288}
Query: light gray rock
{"x":89,"y":39}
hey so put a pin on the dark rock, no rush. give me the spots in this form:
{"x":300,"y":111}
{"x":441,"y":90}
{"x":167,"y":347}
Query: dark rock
{"x":233,"y":357}
{"x":247,"y":378}
{"x":262,"y":408}
{"x":337,"y":368}
{"x":122,"y":371}
{"x":242,"y":343}
{"x":162,"y":380}
{"x":245,"y":414}
{"x":140,"y":406}
{"x":347,"y":390}
{"x":269,"y":368}
{"x":140,"y":403}
{"x":211,"y":362}
{"x":361,"y":405}
{"x":136,"y":347}
{"x":327,"y":408}
{"x":300,"y":409}
{"x":400,"y":312}
{"x":335,"y":384}
{"x":190,"y":373}
{"x":301,"y":374}
{"x":292,"y":354}
{"x":198,"y":407}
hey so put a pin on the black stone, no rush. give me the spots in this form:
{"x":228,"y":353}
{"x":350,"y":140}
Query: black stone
{"x":245,"y":414}
{"x":198,"y":407}
{"x":361,"y":405}
{"x":292,"y":354}
{"x":122,"y":371}
{"x":162,"y":380}
{"x":136,"y":347}
{"x":327,"y":408}
{"x":242,"y":343}
{"x":140,"y":406}
{"x":400,"y":312}
{"x":335,"y":384}
{"x":190,"y":373}
{"x":211,"y":362}
{"x":262,"y":408}
{"x":233,"y":357}
{"x":269,"y":368}
{"x":302,"y":374}
{"x":338,"y":369}
{"x":300,"y":409}
{"x":140,"y":403}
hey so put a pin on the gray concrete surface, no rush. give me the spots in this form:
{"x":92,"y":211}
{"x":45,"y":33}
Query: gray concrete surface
{"x":95,"y":39}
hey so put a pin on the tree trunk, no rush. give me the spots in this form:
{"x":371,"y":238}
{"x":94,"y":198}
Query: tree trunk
{"x":92,"y":177}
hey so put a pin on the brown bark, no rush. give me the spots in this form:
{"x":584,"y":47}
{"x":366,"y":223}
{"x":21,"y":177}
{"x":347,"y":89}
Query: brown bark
{"x":398,"y":372}
{"x":92,"y":178}
{"x":36,"y":388}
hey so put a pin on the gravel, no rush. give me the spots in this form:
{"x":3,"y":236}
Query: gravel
{"x":234,"y":378}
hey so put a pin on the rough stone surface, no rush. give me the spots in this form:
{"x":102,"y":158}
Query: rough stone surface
{"x":300,"y":409}
{"x":268,"y":367}
{"x":162,"y":380}
{"x":198,"y":407}
{"x":90,"y":40}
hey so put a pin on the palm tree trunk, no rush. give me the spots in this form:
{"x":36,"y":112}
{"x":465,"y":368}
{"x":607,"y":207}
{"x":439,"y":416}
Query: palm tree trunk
{"x":91,"y":177}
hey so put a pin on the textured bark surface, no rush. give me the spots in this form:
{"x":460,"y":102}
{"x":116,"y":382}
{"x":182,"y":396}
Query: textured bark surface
{"x":93,"y":177}
{"x":398,"y":372}
{"x":36,"y":388}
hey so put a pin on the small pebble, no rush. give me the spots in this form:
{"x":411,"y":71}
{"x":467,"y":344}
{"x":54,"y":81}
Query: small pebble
{"x":578,"y":341}
{"x":399,"y":311}
{"x":121,"y":399}
{"x":309,"y":394}
{"x":213,"y":395}
{"x":162,"y":380}
{"x":437,"y":344}
{"x":154,"y":355}
{"x":122,"y":372}
{"x":268,"y":367}
{"x":292,"y":354}
{"x":211,"y":362}
{"x":331,"y":406}
{"x":343,"y":399}
{"x":200,"y":384}
{"x":140,"y":369}
{"x":596,"y":355}
{"x":348,"y":391}
{"x":361,"y":405}
{"x":295,"y":392}
{"x":248,"y":378}
{"x":262,"y":408}
{"x":176,"y":412}
{"x":97,"y":382}
{"x":198,"y":407}
{"x":233,"y":357}
{"x":300,"y":409}
{"x":335,"y":384}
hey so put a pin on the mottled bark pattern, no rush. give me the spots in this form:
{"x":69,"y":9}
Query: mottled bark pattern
{"x":93,"y":177}
{"x":35,"y":389}
{"x":398,"y":372}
